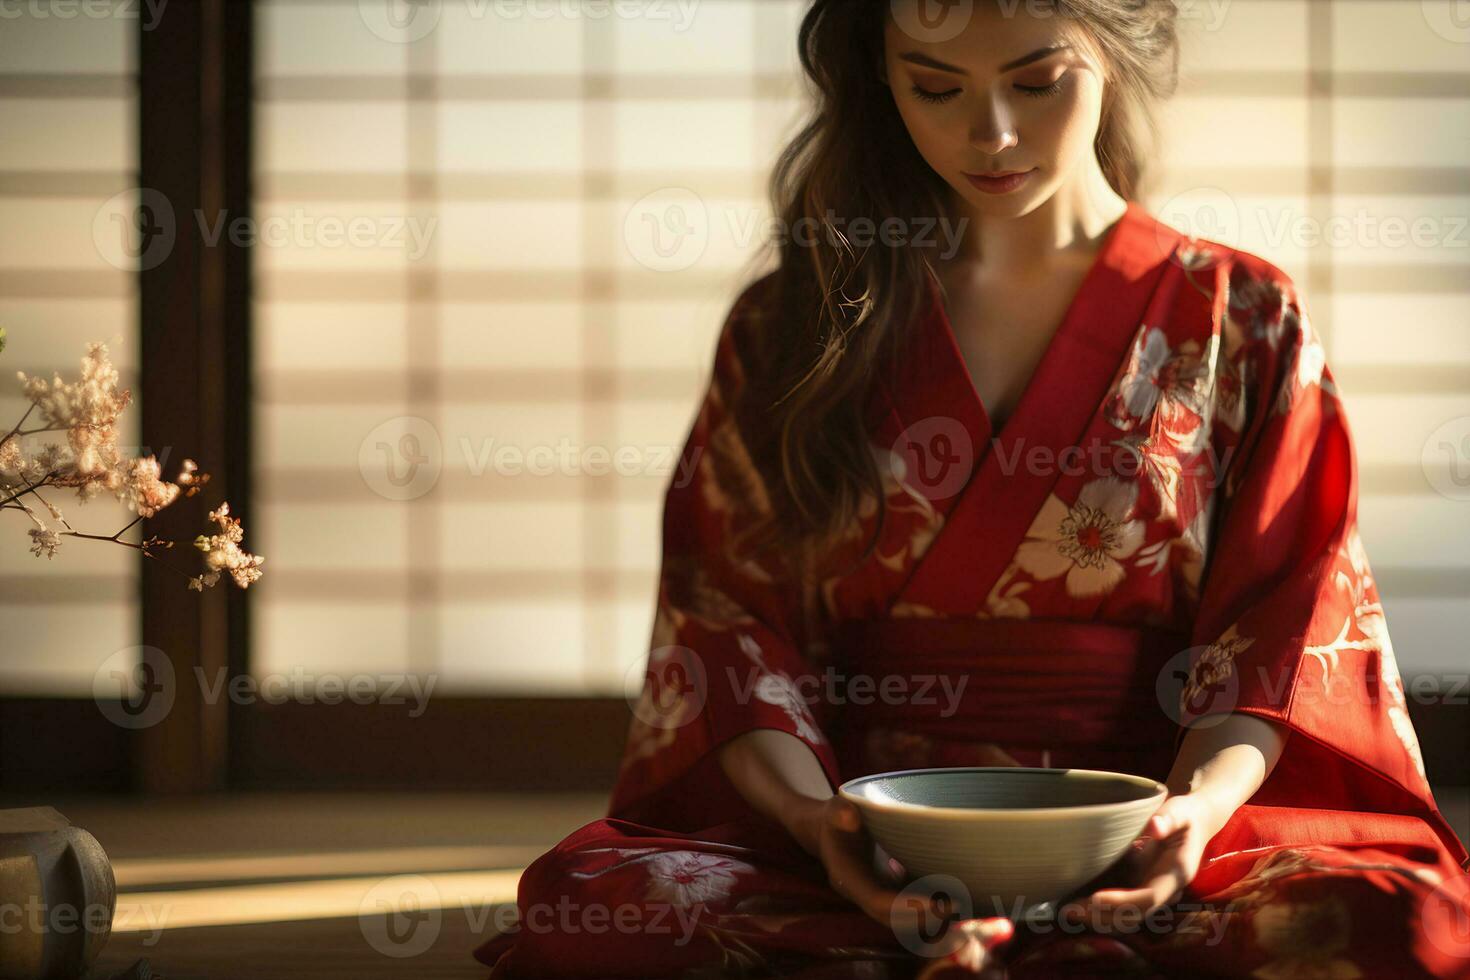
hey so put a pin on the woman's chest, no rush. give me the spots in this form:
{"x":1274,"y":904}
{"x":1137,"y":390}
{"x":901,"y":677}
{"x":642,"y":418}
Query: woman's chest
{"x":1002,"y":332}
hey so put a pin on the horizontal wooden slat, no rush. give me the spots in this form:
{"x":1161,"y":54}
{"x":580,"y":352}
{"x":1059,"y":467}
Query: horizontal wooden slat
{"x":458,"y":743}
{"x":472,"y":386}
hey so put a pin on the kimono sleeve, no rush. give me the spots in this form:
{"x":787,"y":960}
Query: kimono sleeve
{"x":725,"y":655}
{"x":1290,"y":625}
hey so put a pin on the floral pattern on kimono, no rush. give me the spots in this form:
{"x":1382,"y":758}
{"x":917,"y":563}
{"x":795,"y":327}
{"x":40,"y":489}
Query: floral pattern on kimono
{"x":1225,"y":513}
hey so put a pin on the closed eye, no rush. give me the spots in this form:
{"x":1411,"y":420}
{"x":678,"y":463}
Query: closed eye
{"x":1041,"y":91}
{"x":925,"y":95}
{"x":1033,"y":91}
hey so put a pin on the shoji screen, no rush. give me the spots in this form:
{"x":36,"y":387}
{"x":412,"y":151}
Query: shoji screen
{"x":68,"y":184}
{"x":507,"y":319}
{"x":1330,"y":136}
{"x":510,"y":176}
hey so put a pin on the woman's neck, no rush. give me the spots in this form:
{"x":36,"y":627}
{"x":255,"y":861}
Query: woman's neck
{"x":1069,"y":223}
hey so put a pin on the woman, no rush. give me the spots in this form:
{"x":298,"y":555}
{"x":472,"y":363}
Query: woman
{"x":1083,"y":477}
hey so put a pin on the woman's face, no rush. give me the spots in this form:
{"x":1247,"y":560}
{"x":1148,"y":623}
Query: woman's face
{"x":995,"y":93}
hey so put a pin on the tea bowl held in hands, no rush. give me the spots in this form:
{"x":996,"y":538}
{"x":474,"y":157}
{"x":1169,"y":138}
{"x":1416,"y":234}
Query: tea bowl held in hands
{"x":1013,"y":836}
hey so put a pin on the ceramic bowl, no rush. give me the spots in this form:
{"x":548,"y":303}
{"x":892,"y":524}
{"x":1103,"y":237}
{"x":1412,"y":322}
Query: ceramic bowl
{"x":1014,"y":836}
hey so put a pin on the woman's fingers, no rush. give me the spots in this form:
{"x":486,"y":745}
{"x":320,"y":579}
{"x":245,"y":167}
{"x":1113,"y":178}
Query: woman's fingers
{"x":848,"y":859}
{"x":1115,"y":905}
{"x":1111,"y":906}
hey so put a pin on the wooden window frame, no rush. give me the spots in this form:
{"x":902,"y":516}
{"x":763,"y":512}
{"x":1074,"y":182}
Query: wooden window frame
{"x":195,"y":77}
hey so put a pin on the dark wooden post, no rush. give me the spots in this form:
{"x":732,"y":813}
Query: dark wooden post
{"x":195,"y":102}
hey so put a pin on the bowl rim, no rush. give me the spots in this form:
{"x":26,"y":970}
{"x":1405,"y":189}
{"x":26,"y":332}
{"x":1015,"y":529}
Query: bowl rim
{"x":1160,"y":790}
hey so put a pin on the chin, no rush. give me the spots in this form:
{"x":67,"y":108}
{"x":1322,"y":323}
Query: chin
{"x":1016,"y":203}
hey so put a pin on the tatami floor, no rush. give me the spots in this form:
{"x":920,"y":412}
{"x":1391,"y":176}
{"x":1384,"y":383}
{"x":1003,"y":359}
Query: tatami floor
{"x":290,"y":887}
{"x":266,"y":887}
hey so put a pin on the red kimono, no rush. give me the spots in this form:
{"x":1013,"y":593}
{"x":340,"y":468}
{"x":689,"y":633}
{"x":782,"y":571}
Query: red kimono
{"x":1165,"y":529}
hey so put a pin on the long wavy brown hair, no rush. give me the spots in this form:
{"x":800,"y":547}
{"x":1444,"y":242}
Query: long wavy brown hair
{"x":831,"y":312}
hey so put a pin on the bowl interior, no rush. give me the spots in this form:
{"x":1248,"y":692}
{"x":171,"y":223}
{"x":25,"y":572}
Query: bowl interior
{"x":1001,"y":788}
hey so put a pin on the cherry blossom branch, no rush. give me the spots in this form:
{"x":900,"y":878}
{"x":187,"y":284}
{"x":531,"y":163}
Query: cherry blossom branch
{"x":88,"y":411}
{"x":30,"y":489}
{"x":22,"y":422}
{"x":143,"y":546}
{"x":116,"y":538}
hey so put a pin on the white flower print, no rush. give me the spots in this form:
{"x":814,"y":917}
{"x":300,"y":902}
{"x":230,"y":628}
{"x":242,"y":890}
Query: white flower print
{"x":902,"y":499}
{"x":1190,"y":546}
{"x":780,"y":691}
{"x":1357,"y":582}
{"x":1196,"y":545}
{"x":686,"y":878}
{"x":1139,"y":387}
{"x":776,"y":688}
{"x":1087,"y":541}
{"x":1404,"y":728}
{"x":1004,"y":601}
{"x":1375,"y":627}
{"x":911,"y":610}
{"x":1356,"y":553}
{"x":1213,"y":666}
{"x":1196,"y":254}
{"x":1309,"y":369}
{"x":1172,"y":388}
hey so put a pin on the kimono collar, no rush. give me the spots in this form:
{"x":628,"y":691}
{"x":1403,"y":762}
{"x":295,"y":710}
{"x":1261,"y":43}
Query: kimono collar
{"x":935,"y":424}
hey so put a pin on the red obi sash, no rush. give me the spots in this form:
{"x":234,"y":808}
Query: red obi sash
{"x":919,"y":692}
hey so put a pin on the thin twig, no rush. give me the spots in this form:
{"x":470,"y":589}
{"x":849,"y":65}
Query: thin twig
{"x":35,"y":486}
{"x":19,"y":424}
{"x":56,"y":513}
{"x":143,"y":547}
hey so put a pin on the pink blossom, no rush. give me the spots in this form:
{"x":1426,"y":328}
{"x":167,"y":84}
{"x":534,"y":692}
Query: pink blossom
{"x":90,"y":463}
{"x":222,"y":552}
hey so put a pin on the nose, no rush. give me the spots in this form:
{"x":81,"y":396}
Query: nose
{"x":992,"y":129}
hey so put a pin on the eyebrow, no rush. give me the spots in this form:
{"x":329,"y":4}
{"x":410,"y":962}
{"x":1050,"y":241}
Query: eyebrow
{"x":919,"y":58}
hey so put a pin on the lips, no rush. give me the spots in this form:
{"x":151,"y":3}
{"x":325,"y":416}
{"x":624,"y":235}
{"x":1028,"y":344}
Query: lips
{"x":1003,"y":182}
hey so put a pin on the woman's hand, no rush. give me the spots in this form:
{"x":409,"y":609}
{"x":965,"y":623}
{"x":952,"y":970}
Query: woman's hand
{"x":832,"y":830}
{"x":1160,"y":864}
{"x":1218,"y":768}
